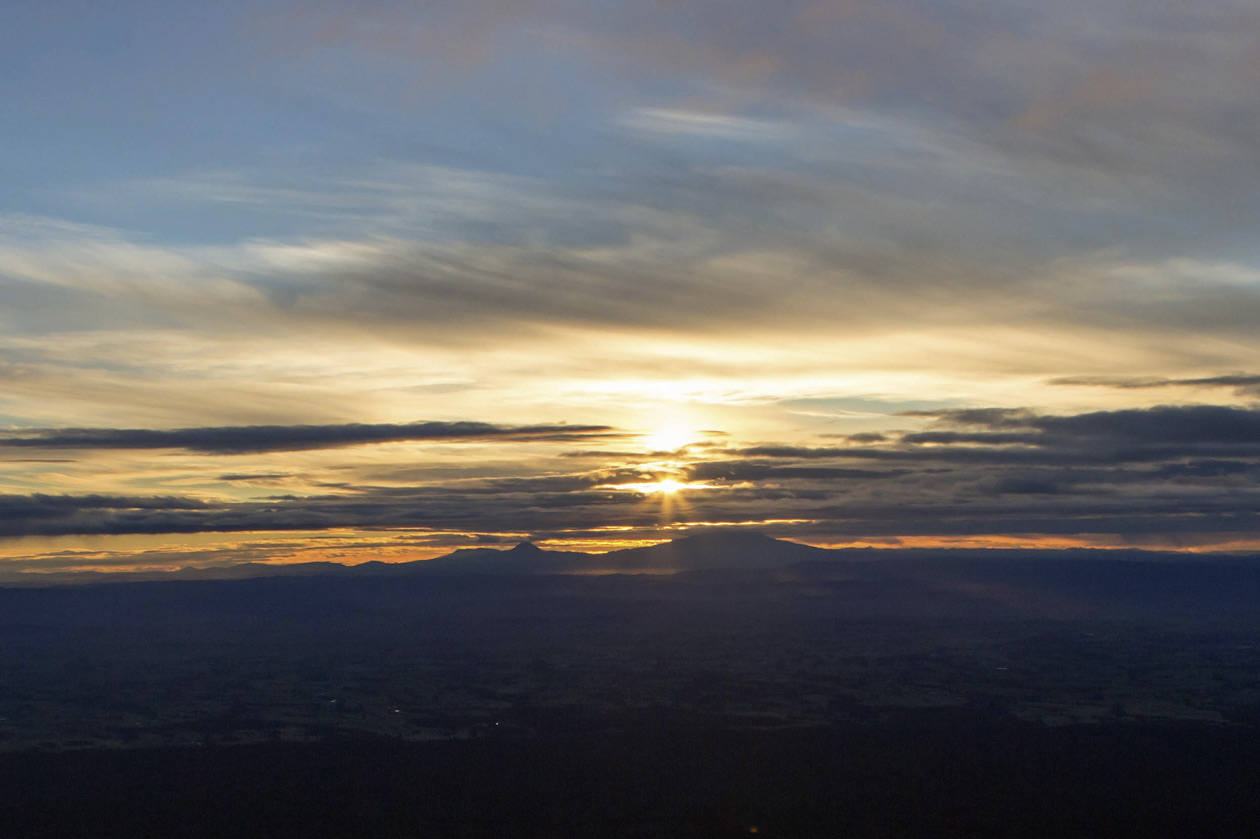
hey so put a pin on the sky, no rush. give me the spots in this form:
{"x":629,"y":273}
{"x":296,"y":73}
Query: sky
{"x":291,"y":281}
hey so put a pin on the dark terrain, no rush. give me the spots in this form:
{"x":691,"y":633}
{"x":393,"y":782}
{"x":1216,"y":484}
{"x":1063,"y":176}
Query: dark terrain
{"x":762,"y":685}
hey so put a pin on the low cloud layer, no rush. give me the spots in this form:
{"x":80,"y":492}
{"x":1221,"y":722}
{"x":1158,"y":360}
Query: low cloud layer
{"x":277,"y":438}
{"x":1167,"y":476}
{"x":1242,"y":383}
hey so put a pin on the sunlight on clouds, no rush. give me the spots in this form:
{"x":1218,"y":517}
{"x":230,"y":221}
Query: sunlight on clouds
{"x":1001,"y":349}
{"x":672,"y":427}
{"x":207,"y":550}
{"x":669,"y":438}
{"x":664,"y":486}
{"x":111,"y":263}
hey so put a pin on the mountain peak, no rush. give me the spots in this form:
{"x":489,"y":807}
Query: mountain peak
{"x":526,"y":548}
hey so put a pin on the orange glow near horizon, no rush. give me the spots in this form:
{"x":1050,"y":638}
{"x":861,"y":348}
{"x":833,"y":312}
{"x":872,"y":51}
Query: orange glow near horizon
{"x":356,"y":547}
{"x":1093,"y":541}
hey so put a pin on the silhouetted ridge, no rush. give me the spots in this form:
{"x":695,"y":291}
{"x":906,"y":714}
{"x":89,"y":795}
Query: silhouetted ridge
{"x":523,"y":558}
{"x":719,"y":550}
{"x":742,"y":539}
{"x":742,"y":552}
{"x":734,"y":550}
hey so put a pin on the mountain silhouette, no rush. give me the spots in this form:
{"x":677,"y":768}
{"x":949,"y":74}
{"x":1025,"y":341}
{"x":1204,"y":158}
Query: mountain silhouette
{"x":718,"y":550}
{"x":1044,"y":581}
{"x":524,"y":558}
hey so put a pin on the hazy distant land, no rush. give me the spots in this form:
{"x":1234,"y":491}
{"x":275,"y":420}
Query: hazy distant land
{"x":750,"y":644}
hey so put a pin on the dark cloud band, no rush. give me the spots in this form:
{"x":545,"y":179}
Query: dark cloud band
{"x":278,"y":438}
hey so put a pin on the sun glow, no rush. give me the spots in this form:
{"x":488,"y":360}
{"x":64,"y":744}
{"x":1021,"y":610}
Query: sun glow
{"x":668,"y":438}
{"x":665,"y":486}
{"x":670,"y":428}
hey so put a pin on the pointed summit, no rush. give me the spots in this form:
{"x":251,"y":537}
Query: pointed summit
{"x":526,"y":548}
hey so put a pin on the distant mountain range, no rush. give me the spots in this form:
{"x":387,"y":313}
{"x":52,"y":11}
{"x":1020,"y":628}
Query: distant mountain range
{"x":724,"y":550}
{"x":728,"y":553}
{"x":717,"y":569}
{"x":718,"y":550}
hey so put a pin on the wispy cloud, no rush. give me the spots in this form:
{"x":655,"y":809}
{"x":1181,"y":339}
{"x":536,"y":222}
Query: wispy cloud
{"x":1241,"y":383}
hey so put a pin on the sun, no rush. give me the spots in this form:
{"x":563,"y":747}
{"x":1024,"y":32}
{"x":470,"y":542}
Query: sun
{"x":668,"y":497}
{"x":667,"y":486}
{"x":664,"y":486}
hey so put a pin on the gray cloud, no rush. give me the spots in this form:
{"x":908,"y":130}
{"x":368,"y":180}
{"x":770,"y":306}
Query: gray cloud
{"x":1184,"y":430}
{"x":1242,"y":383}
{"x":272,"y":476}
{"x":52,"y":515}
{"x":1196,"y":424}
{"x":719,"y":470}
{"x":277,"y":438}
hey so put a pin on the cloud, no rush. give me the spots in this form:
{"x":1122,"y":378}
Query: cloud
{"x":671,"y":121}
{"x":791,"y":247}
{"x":1165,"y":424}
{"x":1185,"y":474}
{"x":41,"y":504}
{"x":46,"y":515}
{"x":1244,"y":384}
{"x":746,"y":470}
{"x":281,"y":438}
{"x":1196,"y":424}
{"x":274,"y":476}
{"x":1138,"y":92}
